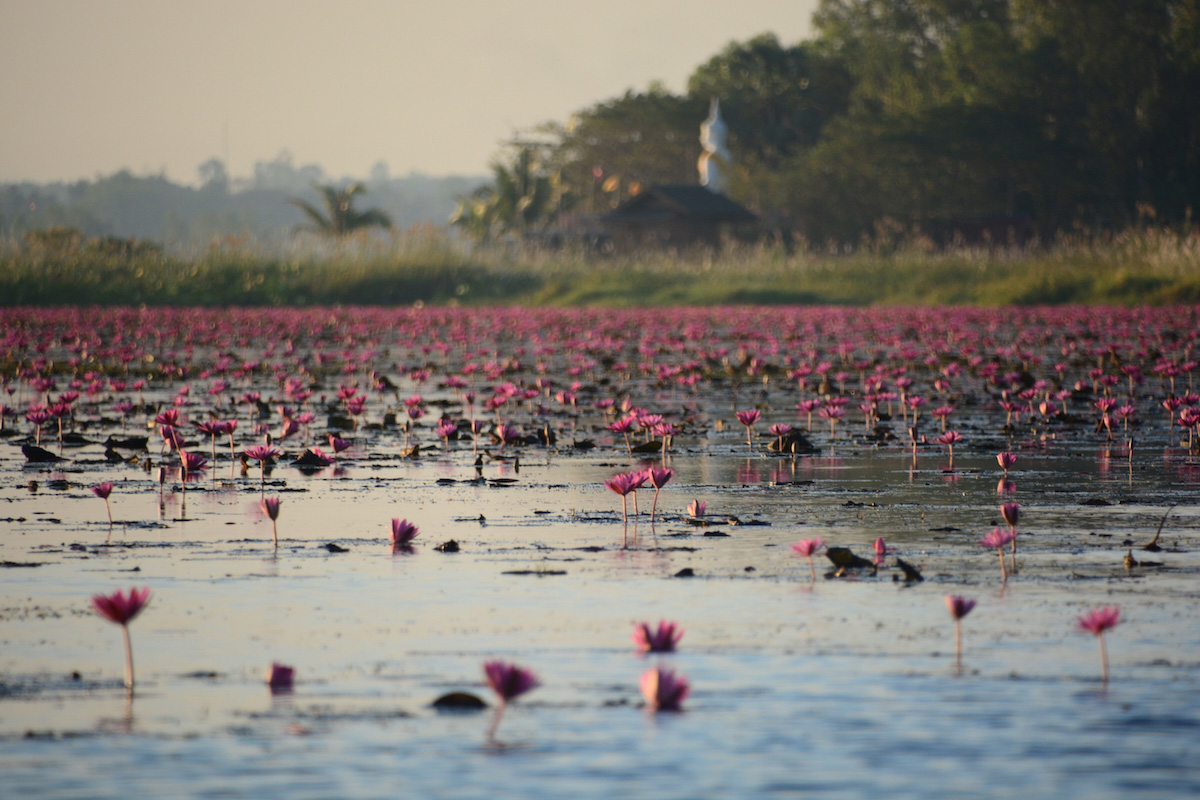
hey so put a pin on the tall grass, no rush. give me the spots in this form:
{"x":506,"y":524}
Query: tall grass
{"x":1151,"y":266}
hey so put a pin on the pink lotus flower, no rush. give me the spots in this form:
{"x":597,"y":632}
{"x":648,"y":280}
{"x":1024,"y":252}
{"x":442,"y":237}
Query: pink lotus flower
{"x":1011,"y":513}
{"x":780,"y":430}
{"x":881,"y":549}
{"x":290,"y":428}
{"x":697,"y":508}
{"x":320,"y":457}
{"x":263,"y":454}
{"x":1097,"y":622}
{"x":832,"y":413}
{"x":808,"y":548}
{"x":103,"y":490}
{"x":950,"y":438}
{"x":270,"y":507}
{"x":168,"y":417}
{"x":748,"y":418}
{"x":121,"y":609}
{"x":506,"y":434}
{"x":403,"y":532}
{"x":661,"y":640}
{"x":623,"y":483}
{"x":1006,"y":460}
{"x":659,"y":477}
{"x":664,"y":690}
{"x":959,"y":607}
{"x":508,"y":681}
{"x":192,"y":463}
{"x":280,"y":678}
{"x":1100,"y":620}
{"x":337,"y":443}
{"x":808,"y":407}
{"x":997,"y":539}
{"x":171,"y":438}
{"x":623,"y":426}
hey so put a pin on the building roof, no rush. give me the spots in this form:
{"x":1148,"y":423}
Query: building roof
{"x":663,"y":202}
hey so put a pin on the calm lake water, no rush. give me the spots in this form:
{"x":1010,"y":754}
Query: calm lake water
{"x":842,"y":687}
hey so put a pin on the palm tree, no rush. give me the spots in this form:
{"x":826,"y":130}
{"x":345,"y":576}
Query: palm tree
{"x":340,"y":218}
{"x":525,"y":196}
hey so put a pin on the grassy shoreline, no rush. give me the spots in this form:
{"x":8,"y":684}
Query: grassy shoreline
{"x":1153,"y":267}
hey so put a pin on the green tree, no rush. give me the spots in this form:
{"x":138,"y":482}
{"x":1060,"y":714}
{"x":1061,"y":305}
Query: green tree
{"x":615,"y":148}
{"x":774,"y":99}
{"x":1072,"y":110}
{"x":525,"y":196}
{"x":339,"y":217}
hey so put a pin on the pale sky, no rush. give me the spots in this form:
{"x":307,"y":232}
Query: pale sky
{"x":88,"y":87}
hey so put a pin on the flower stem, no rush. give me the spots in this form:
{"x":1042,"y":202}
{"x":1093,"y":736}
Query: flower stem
{"x":1103,"y":659}
{"x":128,"y":659}
{"x":491,"y":734}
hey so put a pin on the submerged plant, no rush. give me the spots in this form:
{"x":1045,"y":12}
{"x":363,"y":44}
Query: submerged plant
{"x":121,"y":608}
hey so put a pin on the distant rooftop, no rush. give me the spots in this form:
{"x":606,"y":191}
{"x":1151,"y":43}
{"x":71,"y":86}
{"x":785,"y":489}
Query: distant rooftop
{"x":674,"y":201}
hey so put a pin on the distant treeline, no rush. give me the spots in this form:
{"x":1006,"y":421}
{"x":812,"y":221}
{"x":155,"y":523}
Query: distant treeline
{"x":181,"y":218}
{"x":901,"y":116}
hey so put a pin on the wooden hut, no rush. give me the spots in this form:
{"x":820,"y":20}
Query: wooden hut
{"x":676,"y":216}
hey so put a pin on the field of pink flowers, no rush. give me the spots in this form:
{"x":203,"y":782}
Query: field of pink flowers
{"x":670,"y":534}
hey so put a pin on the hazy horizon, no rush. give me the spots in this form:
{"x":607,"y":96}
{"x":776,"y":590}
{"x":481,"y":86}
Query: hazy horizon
{"x":159,"y":88}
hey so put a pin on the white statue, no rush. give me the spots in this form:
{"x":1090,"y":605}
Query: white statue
{"x":716,"y":155}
